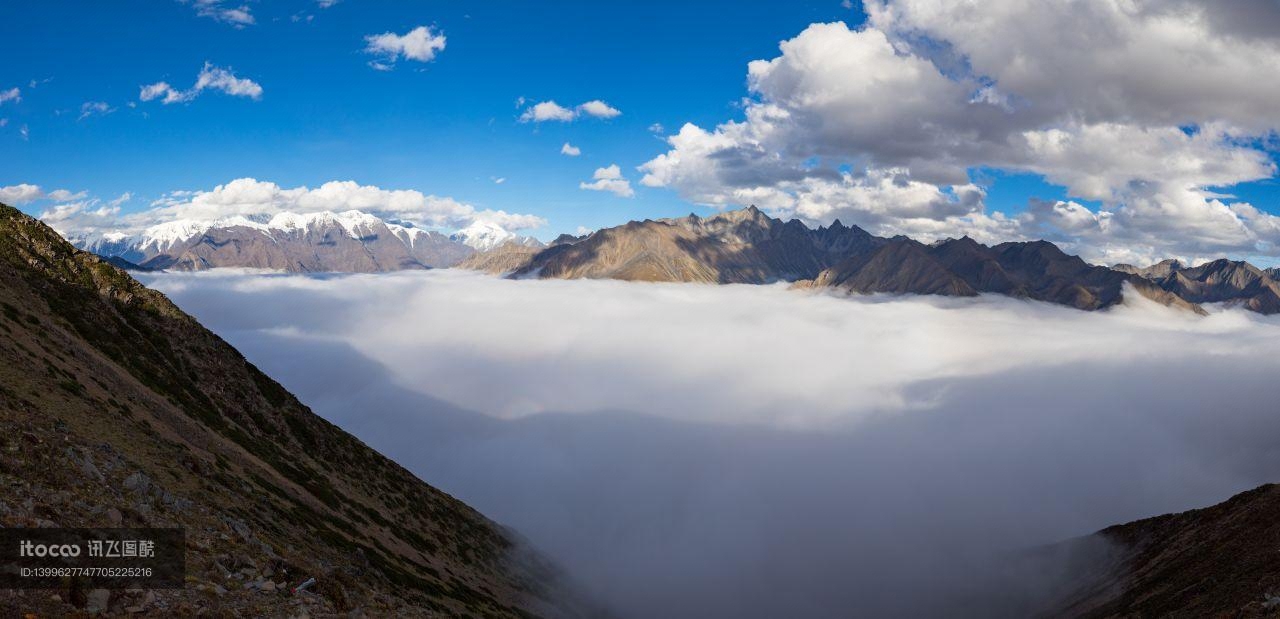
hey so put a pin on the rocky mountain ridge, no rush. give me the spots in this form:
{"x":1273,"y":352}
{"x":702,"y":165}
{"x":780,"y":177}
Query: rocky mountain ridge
{"x":747,"y":246}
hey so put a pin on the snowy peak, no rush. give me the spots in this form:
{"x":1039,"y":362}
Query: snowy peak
{"x":484,"y":236}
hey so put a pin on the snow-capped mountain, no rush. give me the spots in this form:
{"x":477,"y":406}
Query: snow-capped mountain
{"x":485,"y":236}
{"x":349,"y":241}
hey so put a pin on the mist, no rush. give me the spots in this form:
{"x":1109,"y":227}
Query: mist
{"x":688,"y":450}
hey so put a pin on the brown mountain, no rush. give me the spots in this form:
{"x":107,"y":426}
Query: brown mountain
{"x":963,"y":267}
{"x":1219,"y":281}
{"x":744,"y":246}
{"x":1213,"y":562}
{"x":1160,"y":270}
{"x":117,"y":409}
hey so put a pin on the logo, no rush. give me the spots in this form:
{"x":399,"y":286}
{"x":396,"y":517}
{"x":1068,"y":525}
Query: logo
{"x":27,"y":548}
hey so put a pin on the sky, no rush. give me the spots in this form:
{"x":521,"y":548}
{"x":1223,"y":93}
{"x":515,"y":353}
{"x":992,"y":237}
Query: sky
{"x":1125,"y":131}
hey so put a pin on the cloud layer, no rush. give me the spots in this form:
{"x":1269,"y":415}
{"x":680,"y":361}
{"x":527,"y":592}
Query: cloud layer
{"x":692,"y":450}
{"x":1143,"y":107}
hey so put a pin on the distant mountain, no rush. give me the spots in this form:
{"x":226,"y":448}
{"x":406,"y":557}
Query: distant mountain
{"x":747,"y":246}
{"x":1160,"y":270}
{"x":963,"y":267}
{"x":744,"y":246}
{"x":484,"y":236}
{"x":511,"y":256}
{"x":350,"y":241}
{"x":118,"y":409}
{"x":1219,"y":281}
{"x":1214,"y":562}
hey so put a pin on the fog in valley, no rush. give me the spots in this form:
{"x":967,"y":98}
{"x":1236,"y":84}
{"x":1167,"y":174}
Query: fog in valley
{"x":689,"y":450}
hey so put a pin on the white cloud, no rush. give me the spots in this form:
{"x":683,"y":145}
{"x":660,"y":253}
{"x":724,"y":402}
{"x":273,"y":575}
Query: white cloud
{"x":225,"y":12}
{"x":324,"y":4}
{"x":25,"y":193}
{"x":609,"y":179}
{"x":550,"y":110}
{"x":599,"y":109}
{"x":24,"y":132}
{"x":570,"y":150}
{"x":13,"y":94}
{"x":420,"y":44}
{"x":498,"y":180}
{"x":94,"y":108}
{"x":82,"y":218}
{"x":547,"y":110}
{"x":657,"y":128}
{"x":1144,"y":107}
{"x":211,"y":77}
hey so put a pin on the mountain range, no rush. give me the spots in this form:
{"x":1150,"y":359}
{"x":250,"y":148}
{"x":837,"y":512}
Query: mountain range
{"x":351,"y":242}
{"x":743,"y":246}
{"x":119,"y":410}
{"x":747,"y":246}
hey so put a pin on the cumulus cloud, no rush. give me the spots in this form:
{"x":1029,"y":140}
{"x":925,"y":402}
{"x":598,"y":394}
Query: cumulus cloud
{"x":210,"y":78}
{"x":570,"y":150}
{"x":609,"y":179}
{"x":758,"y":452}
{"x":225,"y":12}
{"x":13,"y":94}
{"x":1144,"y":107}
{"x":25,"y":193}
{"x":551,"y":111}
{"x":599,"y":109}
{"x":420,"y":44}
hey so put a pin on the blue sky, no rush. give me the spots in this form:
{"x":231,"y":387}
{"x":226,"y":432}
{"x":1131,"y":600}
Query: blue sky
{"x":1161,"y":166}
{"x":447,"y":127}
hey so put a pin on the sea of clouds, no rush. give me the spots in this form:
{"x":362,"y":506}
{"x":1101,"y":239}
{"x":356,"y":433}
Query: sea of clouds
{"x":752,"y":451}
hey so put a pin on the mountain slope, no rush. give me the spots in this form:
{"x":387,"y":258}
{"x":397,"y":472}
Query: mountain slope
{"x":117,"y":409}
{"x":1214,"y":562}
